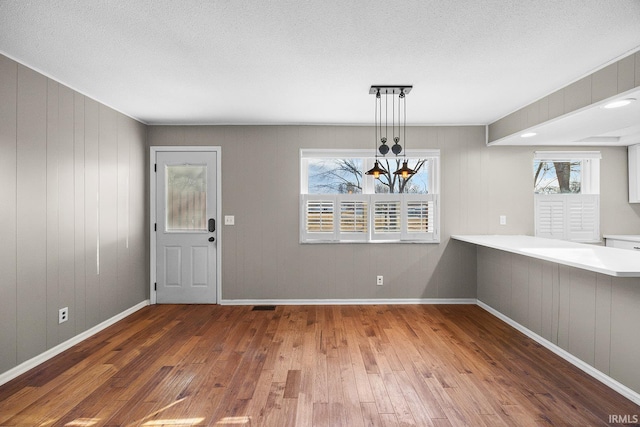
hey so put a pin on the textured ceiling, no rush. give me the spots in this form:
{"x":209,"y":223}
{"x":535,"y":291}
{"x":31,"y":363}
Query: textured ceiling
{"x":312,"y":62}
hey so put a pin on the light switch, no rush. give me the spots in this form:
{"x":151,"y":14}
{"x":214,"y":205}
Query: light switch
{"x":229,"y":220}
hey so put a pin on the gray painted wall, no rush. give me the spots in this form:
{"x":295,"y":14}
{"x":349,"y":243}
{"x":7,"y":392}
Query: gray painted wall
{"x":72,"y":180}
{"x":611,"y":80}
{"x":593,"y":316}
{"x":261,"y":255}
{"x":263,"y":259}
{"x":72,"y":171}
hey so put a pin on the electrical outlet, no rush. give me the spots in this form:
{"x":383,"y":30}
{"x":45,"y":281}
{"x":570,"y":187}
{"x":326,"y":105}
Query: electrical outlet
{"x":503,"y":220}
{"x":229,"y":220}
{"x":380,"y":280}
{"x":63,"y":315}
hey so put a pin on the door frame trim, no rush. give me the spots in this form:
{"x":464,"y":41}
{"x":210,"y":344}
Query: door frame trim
{"x":152,"y":213}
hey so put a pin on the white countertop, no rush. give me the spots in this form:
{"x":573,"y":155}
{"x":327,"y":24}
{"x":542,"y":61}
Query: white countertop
{"x":625,"y":237}
{"x":600,"y":259}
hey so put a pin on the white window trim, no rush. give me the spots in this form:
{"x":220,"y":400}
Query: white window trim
{"x":566,"y":220}
{"x":566,"y":155}
{"x":590,"y":169}
{"x":368,"y":184}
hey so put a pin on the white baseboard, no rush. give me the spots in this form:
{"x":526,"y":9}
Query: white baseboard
{"x":5,"y":377}
{"x":397,"y":301}
{"x":600,"y":376}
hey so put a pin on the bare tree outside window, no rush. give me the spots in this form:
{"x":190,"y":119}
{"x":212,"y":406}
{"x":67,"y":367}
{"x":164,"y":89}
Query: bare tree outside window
{"x":417,"y":183}
{"x":335,"y":176}
{"x":339,"y":202}
{"x":557,"y":177}
{"x":344,"y":176}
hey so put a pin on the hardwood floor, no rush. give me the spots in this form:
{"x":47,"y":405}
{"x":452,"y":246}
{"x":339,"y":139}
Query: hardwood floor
{"x":380,"y":365}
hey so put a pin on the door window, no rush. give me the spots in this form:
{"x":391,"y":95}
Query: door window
{"x":186,"y":198}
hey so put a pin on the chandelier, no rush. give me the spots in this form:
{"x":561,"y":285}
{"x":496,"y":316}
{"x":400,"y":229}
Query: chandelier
{"x":398,"y":130}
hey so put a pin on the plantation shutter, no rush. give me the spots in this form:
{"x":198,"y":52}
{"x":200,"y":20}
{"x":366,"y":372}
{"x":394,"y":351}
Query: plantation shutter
{"x":353,"y":217}
{"x":550,"y":216}
{"x":387,"y":217}
{"x":319,"y":217}
{"x":419,"y":217}
{"x":584,"y":213}
{"x":574,"y":217}
{"x":340,"y":203}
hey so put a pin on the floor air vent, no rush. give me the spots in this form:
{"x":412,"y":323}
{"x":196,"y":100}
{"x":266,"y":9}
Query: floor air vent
{"x":263,"y":308}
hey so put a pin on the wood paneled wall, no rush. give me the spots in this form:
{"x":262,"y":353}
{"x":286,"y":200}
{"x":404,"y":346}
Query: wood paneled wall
{"x":263,"y":259}
{"x":73,"y":191}
{"x":593,"y":316}
{"x":261,"y":254}
{"x":73,"y":197}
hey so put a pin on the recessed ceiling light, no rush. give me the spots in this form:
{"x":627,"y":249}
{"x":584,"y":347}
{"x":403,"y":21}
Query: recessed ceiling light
{"x":528,"y":135}
{"x":619,"y":103}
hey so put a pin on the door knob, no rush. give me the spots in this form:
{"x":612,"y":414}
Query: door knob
{"x":212,"y":239}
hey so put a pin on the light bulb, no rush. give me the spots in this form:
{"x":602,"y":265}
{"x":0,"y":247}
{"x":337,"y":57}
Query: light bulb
{"x":619,"y":103}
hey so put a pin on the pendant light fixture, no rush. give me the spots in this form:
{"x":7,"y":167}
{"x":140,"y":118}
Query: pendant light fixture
{"x":405,"y":171}
{"x":396,"y":130}
{"x":376,"y":170}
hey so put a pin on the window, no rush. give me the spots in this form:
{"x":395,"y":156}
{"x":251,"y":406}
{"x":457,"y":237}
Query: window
{"x":566,"y":190}
{"x":186,"y":198}
{"x":340,"y":203}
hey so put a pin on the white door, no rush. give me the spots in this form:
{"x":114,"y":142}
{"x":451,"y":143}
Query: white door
{"x":186,"y":227}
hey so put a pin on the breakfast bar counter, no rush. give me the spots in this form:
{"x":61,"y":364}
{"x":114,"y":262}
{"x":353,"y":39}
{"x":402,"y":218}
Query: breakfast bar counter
{"x":599,"y":259}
